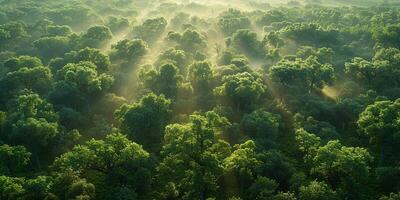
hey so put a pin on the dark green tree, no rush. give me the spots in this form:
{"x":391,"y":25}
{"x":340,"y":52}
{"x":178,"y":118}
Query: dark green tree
{"x":115,"y":160}
{"x":243,"y":89}
{"x":144,"y":122}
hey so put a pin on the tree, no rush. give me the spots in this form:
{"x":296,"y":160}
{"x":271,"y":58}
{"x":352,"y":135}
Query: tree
{"x":189,"y":40}
{"x":388,"y":54}
{"x":150,"y":30}
{"x":285,"y":196}
{"x":274,"y":40}
{"x":179,"y":20}
{"x":241,"y":167}
{"x":68,"y":185}
{"x":379,"y":74}
{"x":12,"y":34}
{"x":81,"y":190}
{"x":37,"y":79}
{"x":344,"y":167}
{"x":115,"y":160}
{"x":324,"y":54}
{"x":11,"y":188}
{"x":50,"y":47}
{"x":302,"y":75}
{"x":272,"y":16}
{"x":388,"y":35}
{"x":95,"y":56}
{"x":129,"y":50}
{"x":37,"y":188}
{"x":262,"y":188}
{"x":164,"y":81}
{"x":16,"y":63}
{"x":324,"y":130}
{"x":246,"y":42}
{"x":311,"y":34}
{"x":276,"y":166}
{"x":308,"y":143}
{"x":79,"y":84}
{"x":117,"y":24}
{"x":261,"y":126}
{"x":379,"y":122}
{"x":31,"y":121}
{"x":243,"y":89}
{"x":192,"y":158}
{"x":57,"y":30}
{"x":387,"y":178}
{"x":13,"y":159}
{"x":135,"y":121}
{"x":96,"y":36}
{"x":317,"y":191}
{"x":177,"y":57}
{"x":361,"y":70}
{"x":392,"y":196}
{"x":200,"y":76}
{"x":232,"y":20}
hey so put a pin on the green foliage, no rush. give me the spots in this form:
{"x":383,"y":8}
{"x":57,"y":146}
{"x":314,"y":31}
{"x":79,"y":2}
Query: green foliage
{"x":68,"y":185}
{"x":12,"y":33}
{"x":243,"y":89}
{"x":334,"y":160}
{"x":95,"y":56}
{"x":188,"y":80}
{"x":388,"y":36}
{"x":272,"y":16}
{"x":381,"y":73}
{"x":56,"y":30}
{"x":232,"y":20}
{"x":135,"y":120}
{"x":96,"y":36}
{"x":117,"y":25}
{"x":177,"y":57}
{"x":261,"y":126}
{"x":392,"y":196}
{"x":246,"y":42}
{"x":387,"y":178}
{"x":131,"y":50}
{"x":31,"y":121}
{"x":311,"y":34}
{"x":200,"y":76}
{"x":192,"y":160}
{"x":324,"y":130}
{"x":13,"y":159}
{"x":116,"y":159}
{"x":50,"y":47}
{"x":189,"y":40}
{"x":379,"y":122}
{"x":262,"y":188}
{"x":165,"y":81}
{"x":11,"y":188}
{"x":317,"y":191}
{"x":307,"y":142}
{"x":302,"y":75}
{"x":150,"y":30}
{"x":81,"y":82}
{"x":37,"y":79}
{"x":16,"y":63}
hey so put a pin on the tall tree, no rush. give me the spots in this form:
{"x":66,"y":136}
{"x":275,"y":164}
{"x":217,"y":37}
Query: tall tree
{"x":144,"y":122}
{"x":380,"y":123}
{"x":111,"y":165}
{"x":243,"y":89}
{"x":192,"y":159}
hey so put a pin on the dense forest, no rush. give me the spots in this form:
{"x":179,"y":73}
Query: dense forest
{"x":199,"y":100}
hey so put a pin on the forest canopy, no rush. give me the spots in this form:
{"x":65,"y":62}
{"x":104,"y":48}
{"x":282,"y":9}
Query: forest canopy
{"x":200,"y":100}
